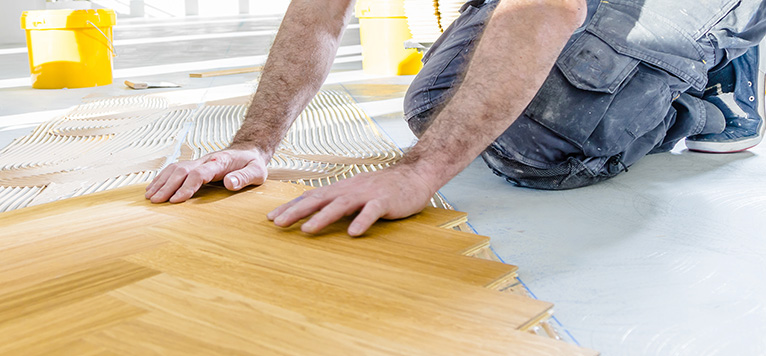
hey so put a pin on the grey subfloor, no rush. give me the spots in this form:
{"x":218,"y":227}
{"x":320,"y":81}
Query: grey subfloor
{"x":667,"y":259}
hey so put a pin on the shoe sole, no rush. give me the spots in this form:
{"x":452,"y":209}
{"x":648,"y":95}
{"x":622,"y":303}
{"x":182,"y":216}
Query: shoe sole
{"x":732,"y":150}
{"x":742,"y":145}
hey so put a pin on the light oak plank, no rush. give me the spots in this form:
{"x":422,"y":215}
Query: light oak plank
{"x":212,"y":314}
{"x":118,"y":200}
{"x":206,"y":315}
{"x":333,"y":252}
{"x":377,"y":293}
{"x":27,"y":265}
{"x":209,"y":203}
{"x":164,"y":335}
{"x":71,"y":288}
{"x":81,"y":348}
{"x":74,"y":223}
{"x":442,"y":218}
{"x":44,"y":332}
{"x":402,"y":289}
{"x":212,"y":193}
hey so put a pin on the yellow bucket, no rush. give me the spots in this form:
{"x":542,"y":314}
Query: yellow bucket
{"x":69,"y":48}
{"x":383,"y":30}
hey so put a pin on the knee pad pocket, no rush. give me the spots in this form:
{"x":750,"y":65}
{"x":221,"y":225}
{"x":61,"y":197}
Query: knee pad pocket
{"x":599,"y":100}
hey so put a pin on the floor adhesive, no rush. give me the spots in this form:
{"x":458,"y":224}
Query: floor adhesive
{"x":108,"y":143}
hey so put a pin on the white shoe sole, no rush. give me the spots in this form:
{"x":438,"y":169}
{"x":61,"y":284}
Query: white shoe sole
{"x":742,"y":145}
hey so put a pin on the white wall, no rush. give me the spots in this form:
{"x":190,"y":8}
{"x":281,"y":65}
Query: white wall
{"x":69,"y":4}
{"x":10,"y":10}
{"x":10,"y":19}
{"x":202,"y":8}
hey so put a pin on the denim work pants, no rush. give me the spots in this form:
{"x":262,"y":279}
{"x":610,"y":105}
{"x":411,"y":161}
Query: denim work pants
{"x":628,"y":83}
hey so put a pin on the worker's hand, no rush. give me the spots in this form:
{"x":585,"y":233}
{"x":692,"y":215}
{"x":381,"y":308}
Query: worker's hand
{"x":392,"y":193}
{"x":237,"y":167}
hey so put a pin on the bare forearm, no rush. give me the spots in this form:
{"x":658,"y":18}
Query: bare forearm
{"x":510,"y":63}
{"x":298,"y":63}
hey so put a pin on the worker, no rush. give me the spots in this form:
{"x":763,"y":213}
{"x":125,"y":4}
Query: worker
{"x":553,"y":94}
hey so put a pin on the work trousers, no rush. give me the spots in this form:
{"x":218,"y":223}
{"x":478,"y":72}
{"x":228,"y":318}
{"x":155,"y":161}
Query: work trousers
{"x":627,"y":84}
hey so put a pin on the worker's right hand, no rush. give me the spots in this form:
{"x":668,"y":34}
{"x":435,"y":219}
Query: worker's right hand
{"x":237,"y":167}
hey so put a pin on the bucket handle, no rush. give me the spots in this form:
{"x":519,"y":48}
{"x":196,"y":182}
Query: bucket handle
{"x":111,"y":45}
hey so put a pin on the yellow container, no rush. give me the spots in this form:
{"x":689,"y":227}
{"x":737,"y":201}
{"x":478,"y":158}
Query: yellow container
{"x":383,"y":30}
{"x":69,"y":48}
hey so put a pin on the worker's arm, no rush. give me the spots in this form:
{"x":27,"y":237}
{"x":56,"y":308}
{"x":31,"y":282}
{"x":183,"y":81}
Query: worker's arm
{"x":298,"y":63}
{"x":517,"y":50}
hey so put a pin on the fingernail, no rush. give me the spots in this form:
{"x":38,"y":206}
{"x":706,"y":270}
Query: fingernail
{"x":308,"y":227}
{"x":270,"y":216}
{"x":234,"y":182}
{"x":279,"y":220}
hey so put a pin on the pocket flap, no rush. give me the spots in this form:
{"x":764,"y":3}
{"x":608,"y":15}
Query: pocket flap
{"x":591,"y":64}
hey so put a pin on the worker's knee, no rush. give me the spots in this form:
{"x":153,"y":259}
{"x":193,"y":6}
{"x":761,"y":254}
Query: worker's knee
{"x":569,"y":173}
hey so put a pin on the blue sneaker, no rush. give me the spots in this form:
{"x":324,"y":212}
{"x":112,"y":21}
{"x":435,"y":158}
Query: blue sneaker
{"x":738,"y":91}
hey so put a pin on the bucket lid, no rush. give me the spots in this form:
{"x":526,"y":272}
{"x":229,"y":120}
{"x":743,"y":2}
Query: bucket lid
{"x":57,"y":19}
{"x":379,"y":8}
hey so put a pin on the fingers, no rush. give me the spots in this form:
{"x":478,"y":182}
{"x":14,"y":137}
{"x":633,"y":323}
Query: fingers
{"x":158,"y":181}
{"x":331,"y":213}
{"x":172,"y":182}
{"x":297,"y":209}
{"x":379,"y":195}
{"x":254,"y":173}
{"x":281,"y":209}
{"x":328,"y":210}
{"x":371,"y":212}
{"x":178,"y":182}
{"x":195,"y":179}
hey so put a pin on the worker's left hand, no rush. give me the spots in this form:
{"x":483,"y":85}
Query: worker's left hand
{"x":392,"y":193}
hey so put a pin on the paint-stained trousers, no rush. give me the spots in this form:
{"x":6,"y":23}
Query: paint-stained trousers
{"x":617,"y":92}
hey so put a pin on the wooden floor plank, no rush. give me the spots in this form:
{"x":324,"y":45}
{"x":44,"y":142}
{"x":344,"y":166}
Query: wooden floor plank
{"x":213,"y":276}
{"x":210,"y":203}
{"x":246,"y":322}
{"x":71,"y":288}
{"x":125,"y":209}
{"x":27,"y":265}
{"x":208,"y":315}
{"x":45,"y":332}
{"x":145,"y":336}
{"x":288,"y":250}
{"x":73,"y":222}
{"x":442,"y":218}
{"x":121,"y":199}
{"x":81,"y":348}
{"x":341,"y":293}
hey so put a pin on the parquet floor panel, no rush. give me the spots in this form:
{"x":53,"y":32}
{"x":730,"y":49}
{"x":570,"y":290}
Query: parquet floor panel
{"x":111,"y":273}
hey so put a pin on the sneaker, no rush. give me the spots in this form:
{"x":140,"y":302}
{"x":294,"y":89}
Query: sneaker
{"x":738,"y":91}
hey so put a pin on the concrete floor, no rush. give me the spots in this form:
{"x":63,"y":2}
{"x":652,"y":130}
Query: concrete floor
{"x":667,"y":259}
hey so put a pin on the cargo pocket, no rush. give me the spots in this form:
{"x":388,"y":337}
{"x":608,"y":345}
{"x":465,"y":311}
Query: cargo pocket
{"x":580,"y":88}
{"x":590,"y":64}
{"x":662,"y":33}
